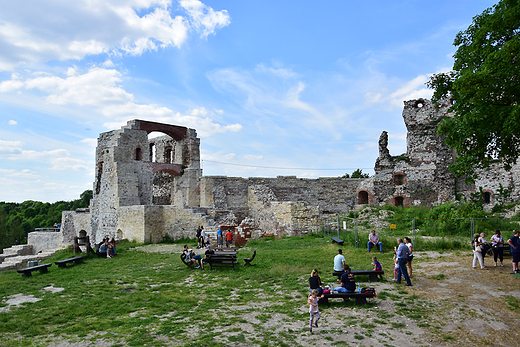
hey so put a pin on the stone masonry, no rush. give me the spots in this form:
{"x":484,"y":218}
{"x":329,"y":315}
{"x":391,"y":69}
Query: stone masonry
{"x":147,"y":189}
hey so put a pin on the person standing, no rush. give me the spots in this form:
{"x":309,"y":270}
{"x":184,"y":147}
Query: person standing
{"x":477,"y":252}
{"x":313,"y":308}
{"x":202,"y":236}
{"x":514,"y":242}
{"x":408,"y":243}
{"x":229,"y":239}
{"x":373,"y":240}
{"x":497,"y":242}
{"x":220,"y":240}
{"x":402,"y":257}
{"x":339,"y":261}
{"x":199,"y":231}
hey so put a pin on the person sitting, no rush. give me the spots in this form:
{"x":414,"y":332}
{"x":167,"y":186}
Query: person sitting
{"x":195,"y":258}
{"x":104,"y":248}
{"x":112,"y":246}
{"x":373,"y":240}
{"x":348,"y":282}
{"x":339,"y":261}
{"x":315,"y":282}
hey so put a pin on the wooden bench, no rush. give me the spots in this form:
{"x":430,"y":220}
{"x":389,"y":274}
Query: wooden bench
{"x":221,"y":259}
{"x":373,"y":275}
{"x":361,"y":298}
{"x":63,"y":263}
{"x":249,"y":260}
{"x":27,"y":271}
{"x":189,"y":264}
{"x":337,"y":240}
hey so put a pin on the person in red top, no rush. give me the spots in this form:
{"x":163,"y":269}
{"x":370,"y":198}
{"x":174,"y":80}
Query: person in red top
{"x":229,"y":238}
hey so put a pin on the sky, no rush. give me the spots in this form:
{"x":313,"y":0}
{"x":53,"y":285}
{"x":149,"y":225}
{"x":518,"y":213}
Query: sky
{"x":273,"y":88}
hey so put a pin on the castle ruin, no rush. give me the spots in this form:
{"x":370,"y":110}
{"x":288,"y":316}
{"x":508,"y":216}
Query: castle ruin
{"x":146,"y":189}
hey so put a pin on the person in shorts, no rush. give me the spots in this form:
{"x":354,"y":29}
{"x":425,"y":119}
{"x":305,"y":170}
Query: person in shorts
{"x":514,"y":242}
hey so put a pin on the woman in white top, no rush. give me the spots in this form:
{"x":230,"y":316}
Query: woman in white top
{"x":497,"y":242}
{"x":408,"y":243}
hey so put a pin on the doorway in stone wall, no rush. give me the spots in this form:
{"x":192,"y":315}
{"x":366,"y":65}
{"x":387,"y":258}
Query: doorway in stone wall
{"x":399,"y":201}
{"x":362,"y":198}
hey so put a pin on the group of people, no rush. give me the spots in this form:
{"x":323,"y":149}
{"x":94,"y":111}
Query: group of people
{"x":107,"y":247}
{"x":204,"y":240}
{"x":481,"y":247}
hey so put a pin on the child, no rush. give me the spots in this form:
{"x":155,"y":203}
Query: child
{"x":396,"y":267}
{"x":313,"y":308}
{"x":377,"y":266}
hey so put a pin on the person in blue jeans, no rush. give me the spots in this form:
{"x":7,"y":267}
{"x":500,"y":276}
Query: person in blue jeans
{"x":402,"y":253}
{"x":514,"y":242}
{"x":348,"y":282}
{"x":373,"y":240}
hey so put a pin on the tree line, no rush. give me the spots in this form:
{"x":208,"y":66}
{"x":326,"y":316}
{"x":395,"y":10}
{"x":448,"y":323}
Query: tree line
{"x":19,"y":219}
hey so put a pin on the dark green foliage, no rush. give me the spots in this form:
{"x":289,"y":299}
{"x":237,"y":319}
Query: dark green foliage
{"x":485,"y":89}
{"x":358,"y":173}
{"x":17,"y":220}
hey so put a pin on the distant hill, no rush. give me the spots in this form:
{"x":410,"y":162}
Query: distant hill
{"x":19,"y":219}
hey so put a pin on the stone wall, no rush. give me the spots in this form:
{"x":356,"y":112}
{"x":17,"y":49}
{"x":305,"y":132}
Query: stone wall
{"x":44,"y":241}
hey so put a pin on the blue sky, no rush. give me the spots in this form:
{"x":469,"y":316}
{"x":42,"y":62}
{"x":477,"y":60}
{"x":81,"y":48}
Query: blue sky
{"x":272,"y":87}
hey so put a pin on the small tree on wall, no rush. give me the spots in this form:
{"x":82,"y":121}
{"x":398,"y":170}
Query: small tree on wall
{"x":358,"y":173}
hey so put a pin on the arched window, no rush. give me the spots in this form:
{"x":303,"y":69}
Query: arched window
{"x":399,"y":201}
{"x":487,"y":197}
{"x":138,"y":154}
{"x":168,"y":155}
{"x":362,"y":197}
{"x":399,"y":179}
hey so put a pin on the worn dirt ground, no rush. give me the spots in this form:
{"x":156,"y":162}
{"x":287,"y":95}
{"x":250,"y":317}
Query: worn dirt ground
{"x":450,"y":304}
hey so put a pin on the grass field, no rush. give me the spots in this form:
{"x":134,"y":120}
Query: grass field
{"x":147,"y":297}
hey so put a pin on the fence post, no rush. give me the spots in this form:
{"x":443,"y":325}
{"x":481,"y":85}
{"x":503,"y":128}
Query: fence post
{"x":413,"y":231}
{"x":337,"y":220}
{"x":355,"y":233}
{"x":472,"y":227}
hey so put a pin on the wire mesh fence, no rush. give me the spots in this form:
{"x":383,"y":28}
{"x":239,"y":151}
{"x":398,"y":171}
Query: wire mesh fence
{"x":446,"y":233}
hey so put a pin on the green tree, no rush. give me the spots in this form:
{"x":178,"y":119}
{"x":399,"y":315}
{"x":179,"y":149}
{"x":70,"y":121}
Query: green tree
{"x":485,"y":90}
{"x":358,"y":173}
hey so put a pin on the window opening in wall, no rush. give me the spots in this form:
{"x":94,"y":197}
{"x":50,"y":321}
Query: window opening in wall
{"x":152,"y":152}
{"x":487,"y":197}
{"x":82,"y":233}
{"x":168,"y":155}
{"x":362,"y":198}
{"x":138,"y":154}
{"x":399,"y":179}
{"x":98,"y":177}
{"x":399,"y":201}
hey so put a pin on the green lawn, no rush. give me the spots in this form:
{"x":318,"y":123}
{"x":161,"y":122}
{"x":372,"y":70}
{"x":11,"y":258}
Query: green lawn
{"x":149,"y":298}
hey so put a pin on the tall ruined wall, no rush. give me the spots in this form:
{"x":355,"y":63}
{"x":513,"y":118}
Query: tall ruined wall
{"x":420,"y":176}
{"x":330,"y":195}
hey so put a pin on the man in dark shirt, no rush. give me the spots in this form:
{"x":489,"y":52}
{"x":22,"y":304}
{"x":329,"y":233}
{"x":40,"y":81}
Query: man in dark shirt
{"x":348,"y":282}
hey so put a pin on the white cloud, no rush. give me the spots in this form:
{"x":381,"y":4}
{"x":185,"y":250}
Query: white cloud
{"x":10,"y":147}
{"x":100,"y":88}
{"x":68,"y":164}
{"x":204,"y":18}
{"x":75,"y":29}
{"x":12,"y":122}
{"x":32,"y":155}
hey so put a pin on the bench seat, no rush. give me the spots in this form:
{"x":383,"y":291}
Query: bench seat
{"x":337,"y":240}
{"x":221,"y":260}
{"x":373,"y":275}
{"x":27,"y":271}
{"x":63,"y":263}
{"x":361,"y":298}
